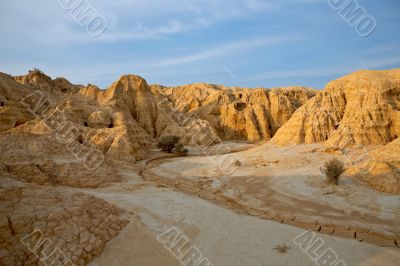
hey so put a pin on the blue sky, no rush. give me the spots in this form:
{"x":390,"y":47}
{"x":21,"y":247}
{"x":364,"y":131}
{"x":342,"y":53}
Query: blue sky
{"x":248,"y":43}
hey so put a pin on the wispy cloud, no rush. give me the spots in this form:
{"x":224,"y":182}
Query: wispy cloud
{"x":226,"y":49}
{"x":163,"y":65}
{"x":228,"y":70}
{"x":128,"y":20}
{"x":177,"y":17}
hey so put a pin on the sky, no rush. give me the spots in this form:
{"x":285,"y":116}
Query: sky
{"x":247,"y":43}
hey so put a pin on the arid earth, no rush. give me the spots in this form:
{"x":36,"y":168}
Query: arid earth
{"x":82,"y":181}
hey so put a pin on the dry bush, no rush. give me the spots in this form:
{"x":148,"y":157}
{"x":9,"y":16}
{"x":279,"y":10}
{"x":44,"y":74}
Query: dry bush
{"x":281,"y":248}
{"x":333,"y":169}
{"x":35,"y":71}
{"x":237,"y":163}
{"x":180,"y":149}
{"x":167,"y":143}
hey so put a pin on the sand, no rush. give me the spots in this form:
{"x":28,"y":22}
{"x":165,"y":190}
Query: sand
{"x":223,"y":236}
{"x":227,"y":237}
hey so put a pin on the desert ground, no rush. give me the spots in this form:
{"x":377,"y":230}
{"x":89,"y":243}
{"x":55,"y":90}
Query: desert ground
{"x":242,"y":234}
{"x":84,"y":183}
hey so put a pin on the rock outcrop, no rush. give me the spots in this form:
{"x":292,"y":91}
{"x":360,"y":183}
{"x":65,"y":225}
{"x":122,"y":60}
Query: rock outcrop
{"x":12,"y":112}
{"x":147,"y":115}
{"x":361,"y":108}
{"x":235,"y":113}
{"x":380,"y":168}
{"x":79,"y":125}
{"x":38,"y":80}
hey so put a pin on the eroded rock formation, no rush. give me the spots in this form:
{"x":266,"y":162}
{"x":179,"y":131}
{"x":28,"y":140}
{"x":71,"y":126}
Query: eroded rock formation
{"x":380,"y":168}
{"x":361,"y":108}
{"x":235,"y":113}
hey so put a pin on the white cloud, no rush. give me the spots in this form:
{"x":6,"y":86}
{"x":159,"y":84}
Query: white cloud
{"x":226,"y":49}
{"x":47,"y":22}
{"x":159,"y":18}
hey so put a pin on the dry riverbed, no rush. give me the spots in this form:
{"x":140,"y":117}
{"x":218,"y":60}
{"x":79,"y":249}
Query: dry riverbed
{"x":227,"y":234}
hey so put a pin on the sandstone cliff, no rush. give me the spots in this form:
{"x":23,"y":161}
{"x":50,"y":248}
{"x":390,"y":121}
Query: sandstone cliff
{"x":39,"y":80}
{"x":122,"y":122}
{"x":361,"y":108}
{"x":380,"y":168}
{"x":147,"y":115}
{"x":236,"y":113}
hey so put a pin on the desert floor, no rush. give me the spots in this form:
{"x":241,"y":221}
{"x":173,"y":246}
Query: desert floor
{"x":239,"y":218}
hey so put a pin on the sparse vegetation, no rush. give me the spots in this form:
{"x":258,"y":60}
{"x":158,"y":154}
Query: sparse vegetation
{"x":171,"y":144}
{"x":281,"y":248}
{"x":167,"y":143}
{"x":237,"y":163}
{"x":333,"y":169}
{"x":180,"y":149}
{"x":35,"y":70}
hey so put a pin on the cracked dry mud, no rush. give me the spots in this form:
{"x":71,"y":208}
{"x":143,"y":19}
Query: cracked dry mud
{"x":77,"y":224}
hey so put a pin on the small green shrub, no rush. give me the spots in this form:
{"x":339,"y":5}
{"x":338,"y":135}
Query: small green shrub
{"x":333,"y":169}
{"x":180,"y":149}
{"x":167,"y":143}
{"x":35,"y":70}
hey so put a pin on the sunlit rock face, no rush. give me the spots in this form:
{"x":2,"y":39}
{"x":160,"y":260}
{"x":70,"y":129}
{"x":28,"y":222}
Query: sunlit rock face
{"x":237,"y":113}
{"x":361,"y":108}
